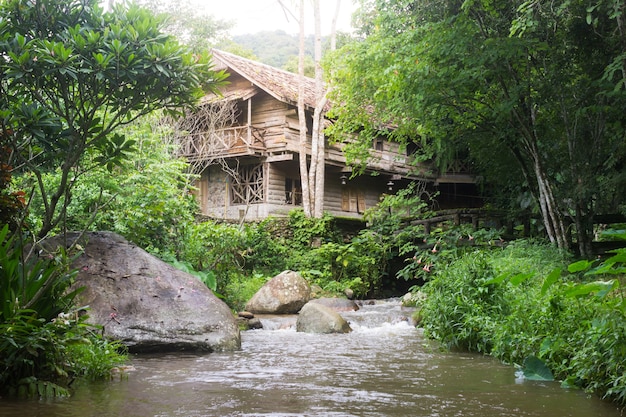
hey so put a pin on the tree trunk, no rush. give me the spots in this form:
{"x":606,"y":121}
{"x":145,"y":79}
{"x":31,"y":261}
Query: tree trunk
{"x":318,"y":168}
{"x":550,"y":213}
{"x":333,"y":27}
{"x":304,"y":176}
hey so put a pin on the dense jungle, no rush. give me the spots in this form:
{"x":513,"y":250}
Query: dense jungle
{"x":530,"y":93}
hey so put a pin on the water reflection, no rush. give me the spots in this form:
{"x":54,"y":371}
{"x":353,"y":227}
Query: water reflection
{"x":383,"y":368}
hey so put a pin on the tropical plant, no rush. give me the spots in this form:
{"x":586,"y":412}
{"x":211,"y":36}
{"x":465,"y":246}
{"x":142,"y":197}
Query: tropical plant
{"x":33,"y":283}
{"x":531,"y":93}
{"x":306,"y":230}
{"x":219,"y":248}
{"x":73,"y":74}
{"x":523,"y":306}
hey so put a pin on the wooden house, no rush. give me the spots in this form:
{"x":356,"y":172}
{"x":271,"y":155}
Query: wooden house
{"x":246,"y":146}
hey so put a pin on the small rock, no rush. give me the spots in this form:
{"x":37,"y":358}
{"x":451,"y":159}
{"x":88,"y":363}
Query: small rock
{"x":245,"y":315}
{"x":317,"y":318}
{"x":255,"y":323}
{"x":337,"y":304}
{"x":286,"y":293}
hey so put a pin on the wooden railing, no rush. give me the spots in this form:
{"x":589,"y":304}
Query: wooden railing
{"x":457,"y":216}
{"x":225,"y":142}
{"x":459,"y":166}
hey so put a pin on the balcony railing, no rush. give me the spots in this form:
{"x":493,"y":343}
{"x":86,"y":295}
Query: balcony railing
{"x":230,"y":141}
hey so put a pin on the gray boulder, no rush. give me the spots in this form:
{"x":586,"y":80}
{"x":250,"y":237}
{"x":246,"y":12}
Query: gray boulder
{"x":146,"y":303}
{"x":317,"y":318}
{"x":337,"y":304}
{"x":286,"y":293}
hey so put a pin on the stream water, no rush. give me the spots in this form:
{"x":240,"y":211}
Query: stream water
{"x":385,"y":367}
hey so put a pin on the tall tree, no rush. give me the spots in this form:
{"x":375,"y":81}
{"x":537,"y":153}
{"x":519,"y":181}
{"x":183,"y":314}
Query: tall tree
{"x":526,"y":78}
{"x":304,"y":169}
{"x":72,"y":74}
{"x":189,"y":24}
{"x":312,"y":173}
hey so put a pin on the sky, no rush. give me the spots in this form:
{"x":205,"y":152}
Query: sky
{"x":251,"y":16}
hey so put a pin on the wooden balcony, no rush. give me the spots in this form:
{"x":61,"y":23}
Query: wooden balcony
{"x":223,"y":143}
{"x":459,"y":172}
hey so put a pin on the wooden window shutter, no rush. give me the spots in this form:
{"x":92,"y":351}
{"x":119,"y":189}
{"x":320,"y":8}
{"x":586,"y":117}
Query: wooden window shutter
{"x":345,"y":199}
{"x":360,"y":201}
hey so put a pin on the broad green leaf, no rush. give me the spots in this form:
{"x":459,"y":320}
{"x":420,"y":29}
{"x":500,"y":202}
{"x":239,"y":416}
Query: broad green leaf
{"x":599,"y":288}
{"x":536,"y":370}
{"x":620,"y":256}
{"x":550,"y":279}
{"x":582,"y":265}
{"x":519,"y":278}
{"x":497,"y":280}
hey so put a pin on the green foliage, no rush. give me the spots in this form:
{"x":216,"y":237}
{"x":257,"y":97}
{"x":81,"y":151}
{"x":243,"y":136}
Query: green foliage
{"x":442,"y":245}
{"x":529,"y":83}
{"x":40,"y":358}
{"x":240,"y":289}
{"x":206,"y":277}
{"x":536,"y":370}
{"x":520,"y":305}
{"x":94,"y":358}
{"x":215,"y":247}
{"x":305,"y":230}
{"x":28,"y":282}
{"x":147,"y":200}
{"x":73,"y":75}
{"x":267,"y":252}
{"x":397,"y":220}
{"x":358,"y":265}
{"x":462,"y":309}
{"x":390,"y":214}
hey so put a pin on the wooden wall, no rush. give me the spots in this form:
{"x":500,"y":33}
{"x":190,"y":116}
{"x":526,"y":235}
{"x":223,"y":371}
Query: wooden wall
{"x":278,"y":123}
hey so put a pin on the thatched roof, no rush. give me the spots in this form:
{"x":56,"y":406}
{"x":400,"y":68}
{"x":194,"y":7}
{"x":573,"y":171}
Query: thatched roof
{"x":281,"y":84}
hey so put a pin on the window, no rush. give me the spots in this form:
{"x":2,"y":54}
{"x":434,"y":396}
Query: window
{"x":293,"y":192}
{"x":352,"y":200}
{"x":378,"y":145}
{"x":246,"y":185}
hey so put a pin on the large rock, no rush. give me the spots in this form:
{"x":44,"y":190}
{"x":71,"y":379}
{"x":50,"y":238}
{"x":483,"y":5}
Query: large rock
{"x":286,"y":293}
{"x":337,"y":304}
{"x":317,"y":318}
{"x":148,"y":304}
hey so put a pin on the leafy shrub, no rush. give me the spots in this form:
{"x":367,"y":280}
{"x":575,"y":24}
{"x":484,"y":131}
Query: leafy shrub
{"x":462,"y":308}
{"x":219,"y":248}
{"x":305,"y":230}
{"x":517,"y":303}
{"x":358,"y":265}
{"x":267,"y":253}
{"x":147,"y":200}
{"x":240,"y":289}
{"x":29,"y":282}
{"x":93,"y":358}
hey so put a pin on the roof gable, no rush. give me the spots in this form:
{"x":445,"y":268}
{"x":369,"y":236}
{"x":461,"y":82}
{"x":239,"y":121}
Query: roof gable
{"x":281,"y":84}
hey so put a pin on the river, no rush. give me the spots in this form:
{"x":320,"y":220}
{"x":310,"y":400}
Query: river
{"x":385,"y":367}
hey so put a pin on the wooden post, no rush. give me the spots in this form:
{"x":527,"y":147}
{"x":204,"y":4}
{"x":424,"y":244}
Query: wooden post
{"x":250,"y":121}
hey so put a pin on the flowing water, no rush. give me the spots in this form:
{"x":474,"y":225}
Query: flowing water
{"x":385,"y":367}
